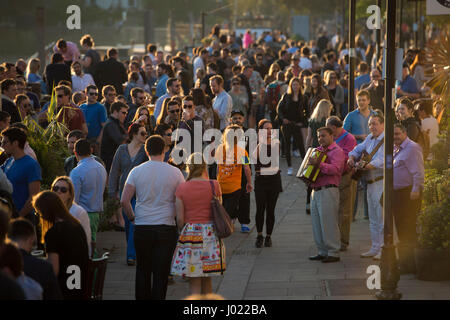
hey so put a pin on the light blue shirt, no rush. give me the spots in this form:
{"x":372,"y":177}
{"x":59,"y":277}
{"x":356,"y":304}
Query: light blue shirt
{"x":362,"y":79}
{"x":378,"y":159}
{"x":89,"y":180}
{"x":161,"y":85}
{"x":357,"y":124}
{"x":158,"y":105}
{"x":223,"y":104}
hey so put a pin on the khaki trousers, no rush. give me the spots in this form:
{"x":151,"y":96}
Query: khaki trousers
{"x":347,"y":195}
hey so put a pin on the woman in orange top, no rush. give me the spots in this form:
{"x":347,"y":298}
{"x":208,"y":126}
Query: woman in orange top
{"x":231,"y":160}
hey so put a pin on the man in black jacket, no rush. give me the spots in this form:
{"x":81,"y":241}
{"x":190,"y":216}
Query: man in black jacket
{"x":114,"y":134}
{"x":22,"y":233}
{"x":56,"y":71}
{"x":111,"y":71}
{"x":9,"y":92}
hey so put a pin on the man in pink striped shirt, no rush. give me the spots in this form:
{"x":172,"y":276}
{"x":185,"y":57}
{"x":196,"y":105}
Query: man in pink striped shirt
{"x":347,"y":188}
{"x":325,"y":198}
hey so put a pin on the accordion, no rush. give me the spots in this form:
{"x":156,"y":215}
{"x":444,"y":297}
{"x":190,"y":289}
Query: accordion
{"x":307,"y":172}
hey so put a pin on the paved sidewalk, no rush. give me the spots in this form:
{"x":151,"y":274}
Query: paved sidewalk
{"x":281,"y":272}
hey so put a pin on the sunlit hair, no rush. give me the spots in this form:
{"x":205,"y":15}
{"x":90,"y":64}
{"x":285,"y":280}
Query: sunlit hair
{"x":50,"y":207}
{"x":328,"y":75}
{"x":138,"y":111}
{"x":195,"y":166}
{"x":290,"y":90}
{"x":322,"y":110}
{"x":71,"y":189}
{"x":274,"y":68}
{"x":33,"y":66}
{"x":231,"y":134}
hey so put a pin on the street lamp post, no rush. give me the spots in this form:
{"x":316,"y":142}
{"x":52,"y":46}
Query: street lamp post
{"x":389,"y":269}
{"x":378,"y":35}
{"x":352,"y":55}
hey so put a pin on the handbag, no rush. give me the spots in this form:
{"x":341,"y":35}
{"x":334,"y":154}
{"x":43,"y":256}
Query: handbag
{"x":221,"y":219}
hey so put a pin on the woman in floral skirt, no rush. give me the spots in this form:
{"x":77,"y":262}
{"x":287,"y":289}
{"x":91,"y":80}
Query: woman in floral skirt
{"x":199,"y":253}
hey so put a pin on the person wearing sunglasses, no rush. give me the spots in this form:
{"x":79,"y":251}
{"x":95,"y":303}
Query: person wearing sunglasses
{"x":127,"y":157}
{"x":191,"y":122}
{"x":95,"y":114}
{"x":63,"y":187}
{"x":165,"y":131}
{"x":171,"y":113}
{"x":114,"y":133}
{"x":24,"y":105}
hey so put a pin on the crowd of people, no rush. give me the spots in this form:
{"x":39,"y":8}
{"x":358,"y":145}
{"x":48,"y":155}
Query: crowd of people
{"x":121,"y":117}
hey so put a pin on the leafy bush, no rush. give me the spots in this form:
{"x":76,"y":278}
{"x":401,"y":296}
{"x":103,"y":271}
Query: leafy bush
{"x":434,"y":226}
{"x":48,"y":144}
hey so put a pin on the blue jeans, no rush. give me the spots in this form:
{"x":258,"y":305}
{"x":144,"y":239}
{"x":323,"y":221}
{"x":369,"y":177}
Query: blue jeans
{"x":129,"y":233}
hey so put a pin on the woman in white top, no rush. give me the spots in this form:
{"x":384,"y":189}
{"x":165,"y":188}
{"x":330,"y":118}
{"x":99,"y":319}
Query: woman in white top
{"x":429,"y":124}
{"x":63,"y":187}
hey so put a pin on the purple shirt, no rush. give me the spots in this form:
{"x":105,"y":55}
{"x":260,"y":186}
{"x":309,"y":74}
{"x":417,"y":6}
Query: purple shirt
{"x":331,"y":170}
{"x":408,"y":166}
{"x":72,"y":53}
{"x":347,"y":143}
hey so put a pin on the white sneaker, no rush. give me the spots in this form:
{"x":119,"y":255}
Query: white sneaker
{"x":289,"y":172}
{"x":377,"y":257}
{"x":296,"y":154}
{"x":368,"y":254}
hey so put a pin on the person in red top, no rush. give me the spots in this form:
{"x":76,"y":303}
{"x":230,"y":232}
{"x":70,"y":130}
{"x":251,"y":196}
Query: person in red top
{"x":325,"y":198}
{"x":199,"y":253}
{"x":71,"y":116}
{"x":347,"y":188}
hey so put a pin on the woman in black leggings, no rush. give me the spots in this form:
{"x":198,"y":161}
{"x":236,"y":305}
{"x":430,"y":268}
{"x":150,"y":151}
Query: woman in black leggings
{"x":267,"y":181}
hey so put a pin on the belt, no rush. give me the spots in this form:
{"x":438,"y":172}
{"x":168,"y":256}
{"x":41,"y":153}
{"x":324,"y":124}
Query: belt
{"x":374,"y":180}
{"x":325,"y":187}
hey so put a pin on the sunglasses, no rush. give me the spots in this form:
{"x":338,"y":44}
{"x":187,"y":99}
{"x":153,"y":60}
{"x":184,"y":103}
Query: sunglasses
{"x":93,"y":93}
{"x":236,"y":83}
{"x":187,"y":106}
{"x":27,"y":105}
{"x":168,"y":134}
{"x":61,"y":189}
{"x":124,"y":112}
{"x":143,"y":133}
{"x":60,"y":96}
{"x":174,"y":111}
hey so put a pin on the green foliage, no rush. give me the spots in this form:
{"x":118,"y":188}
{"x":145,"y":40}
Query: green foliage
{"x":48,"y":144}
{"x":434,"y":226}
{"x":110,"y":207}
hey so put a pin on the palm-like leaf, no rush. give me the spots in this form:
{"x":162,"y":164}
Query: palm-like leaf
{"x":438,"y":55}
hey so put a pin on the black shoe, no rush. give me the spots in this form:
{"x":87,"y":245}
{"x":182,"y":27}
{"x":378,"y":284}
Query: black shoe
{"x":308,"y":211}
{"x":343,"y":248}
{"x":131,"y":262}
{"x":268,"y":242}
{"x":317,"y":258}
{"x":259,"y":241}
{"x":331,"y":259}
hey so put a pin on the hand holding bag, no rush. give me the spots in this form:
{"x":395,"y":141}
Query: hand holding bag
{"x":221,"y":219}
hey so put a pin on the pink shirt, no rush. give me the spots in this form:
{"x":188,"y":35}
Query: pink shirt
{"x":347,"y":143}
{"x":196,"y":196}
{"x":72,"y":53}
{"x":247,"y":41}
{"x":331,"y":170}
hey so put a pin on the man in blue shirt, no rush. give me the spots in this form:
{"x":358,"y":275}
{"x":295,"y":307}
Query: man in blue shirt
{"x":162,"y":72}
{"x":22,"y":171}
{"x":357,"y":123}
{"x":95,"y":114}
{"x":364,"y":76}
{"x":173,"y":89}
{"x":408,"y":86}
{"x":89,"y":180}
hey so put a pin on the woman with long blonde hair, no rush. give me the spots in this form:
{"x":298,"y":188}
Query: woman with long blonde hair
{"x":63,"y":187}
{"x":200,"y":259}
{"x":272,"y":73}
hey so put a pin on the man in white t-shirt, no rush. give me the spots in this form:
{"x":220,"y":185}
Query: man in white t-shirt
{"x":154,"y":183}
{"x":429,"y":123}
{"x":200,"y":62}
{"x":305,"y":62}
{"x":80,"y":80}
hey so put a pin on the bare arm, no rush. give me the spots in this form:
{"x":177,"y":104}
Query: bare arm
{"x":127,"y":194}
{"x":53,"y":258}
{"x":179,"y":206}
{"x":309,"y":139}
{"x":248,"y":175}
{"x":33,"y":188}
